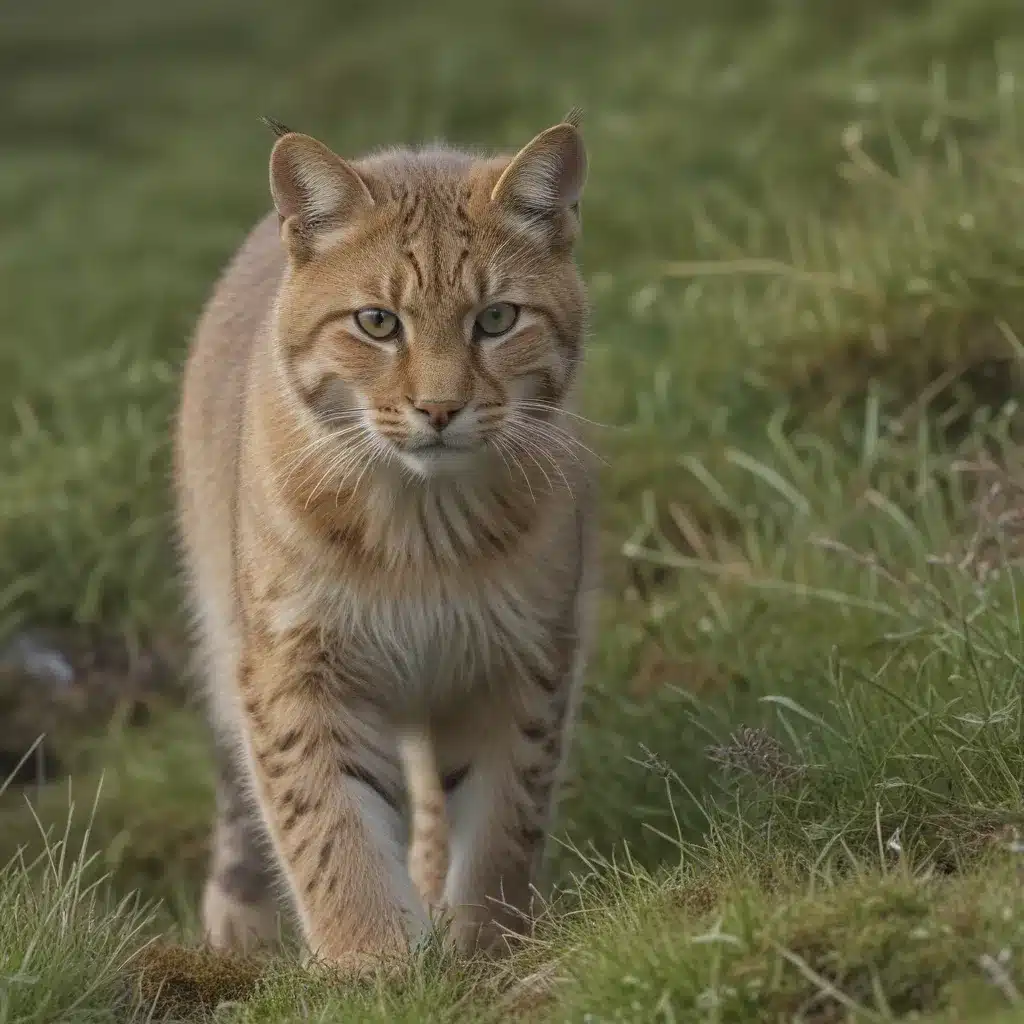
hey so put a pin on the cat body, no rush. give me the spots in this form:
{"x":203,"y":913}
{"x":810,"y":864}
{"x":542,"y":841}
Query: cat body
{"x":386,"y":521}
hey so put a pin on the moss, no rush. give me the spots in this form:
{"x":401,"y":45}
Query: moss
{"x":187,"y":982}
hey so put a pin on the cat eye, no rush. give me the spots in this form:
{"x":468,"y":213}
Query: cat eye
{"x":379,"y":324}
{"x":496,"y":320}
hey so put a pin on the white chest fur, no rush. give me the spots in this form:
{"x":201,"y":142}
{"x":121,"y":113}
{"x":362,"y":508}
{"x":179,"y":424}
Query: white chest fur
{"x":446,"y":636}
{"x":436,"y":644}
{"x":430,"y":631}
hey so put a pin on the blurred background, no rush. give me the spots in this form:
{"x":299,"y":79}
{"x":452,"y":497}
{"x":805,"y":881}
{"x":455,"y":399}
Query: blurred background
{"x":803,"y":241}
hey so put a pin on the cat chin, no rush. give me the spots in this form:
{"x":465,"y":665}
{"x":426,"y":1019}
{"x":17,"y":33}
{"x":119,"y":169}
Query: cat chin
{"x":439,"y":462}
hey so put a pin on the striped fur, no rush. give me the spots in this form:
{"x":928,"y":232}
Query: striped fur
{"x":428,"y":829}
{"x":388,"y":543}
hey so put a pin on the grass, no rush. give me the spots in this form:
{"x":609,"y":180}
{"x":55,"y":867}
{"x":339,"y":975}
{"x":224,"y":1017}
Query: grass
{"x":797,"y":782}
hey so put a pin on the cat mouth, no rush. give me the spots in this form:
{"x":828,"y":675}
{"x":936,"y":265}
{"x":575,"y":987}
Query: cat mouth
{"x":440,"y":445}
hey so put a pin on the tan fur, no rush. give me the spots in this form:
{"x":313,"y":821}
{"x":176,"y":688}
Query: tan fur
{"x":388,"y":542}
{"x":427,"y":858}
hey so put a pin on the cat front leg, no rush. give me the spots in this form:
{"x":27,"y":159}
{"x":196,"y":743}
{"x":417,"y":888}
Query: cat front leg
{"x":333,"y":824}
{"x":500,"y":816}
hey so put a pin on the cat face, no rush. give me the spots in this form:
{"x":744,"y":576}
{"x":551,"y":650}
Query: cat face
{"x":431,"y":309}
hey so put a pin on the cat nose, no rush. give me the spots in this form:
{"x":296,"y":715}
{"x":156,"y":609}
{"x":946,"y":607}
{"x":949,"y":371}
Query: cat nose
{"x":439,"y":414}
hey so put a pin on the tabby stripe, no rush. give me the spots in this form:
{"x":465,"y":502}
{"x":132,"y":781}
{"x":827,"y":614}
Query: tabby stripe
{"x":457,"y":268}
{"x":313,"y":334}
{"x":532,"y":835}
{"x":534,"y":730}
{"x":416,"y":268}
{"x":360,"y":774}
{"x":452,"y":779}
{"x":288,"y":740}
{"x":415,"y":218}
{"x":546,"y":684}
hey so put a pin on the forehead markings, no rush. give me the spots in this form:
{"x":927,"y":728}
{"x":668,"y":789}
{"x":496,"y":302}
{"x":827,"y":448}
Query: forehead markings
{"x":402,"y":279}
{"x":435,"y":235}
{"x":412,"y":213}
{"x":463,"y":233}
{"x":478,"y":283}
{"x":414,"y":265}
{"x":393,"y":287}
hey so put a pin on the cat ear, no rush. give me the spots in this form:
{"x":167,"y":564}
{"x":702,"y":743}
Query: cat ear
{"x":314,"y":190}
{"x":546,"y":177}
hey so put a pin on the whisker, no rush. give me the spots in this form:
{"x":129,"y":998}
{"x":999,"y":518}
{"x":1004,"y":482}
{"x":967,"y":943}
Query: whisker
{"x":529,"y":446}
{"x":549,"y":425}
{"x":493,"y":443}
{"x":371,"y":458}
{"x":346,"y":414}
{"x":556,"y":435}
{"x":512,"y":455}
{"x":535,"y":435}
{"x":346,"y":459}
{"x":317,"y":442}
{"x":307,"y":451}
{"x":528,"y":449}
{"x":332,"y":435}
{"x":535,"y":432}
{"x":350,"y":467}
{"x":530,"y":403}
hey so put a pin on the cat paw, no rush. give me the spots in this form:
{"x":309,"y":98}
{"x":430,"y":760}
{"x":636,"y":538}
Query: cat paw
{"x":355,"y":965}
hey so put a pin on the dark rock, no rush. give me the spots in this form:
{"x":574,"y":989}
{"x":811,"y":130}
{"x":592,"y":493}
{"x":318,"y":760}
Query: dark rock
{"x":31,"y":655}
{"x":67,"y":685}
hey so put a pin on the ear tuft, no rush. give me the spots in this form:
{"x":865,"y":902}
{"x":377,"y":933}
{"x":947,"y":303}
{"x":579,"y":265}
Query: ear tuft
{"x":574,"y":118}
{"x":276,"y":127}
{"x":546,"y":177}
{"x":314,"y":185}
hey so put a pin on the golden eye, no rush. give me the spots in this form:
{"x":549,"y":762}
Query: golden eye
{"x":497,"y":319}
{"x":379,"y":324}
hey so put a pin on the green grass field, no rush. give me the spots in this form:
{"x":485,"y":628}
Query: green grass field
{"x":799,"y":773}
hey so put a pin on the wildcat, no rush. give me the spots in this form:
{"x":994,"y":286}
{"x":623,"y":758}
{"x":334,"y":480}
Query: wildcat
{"x":387,"y":520}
